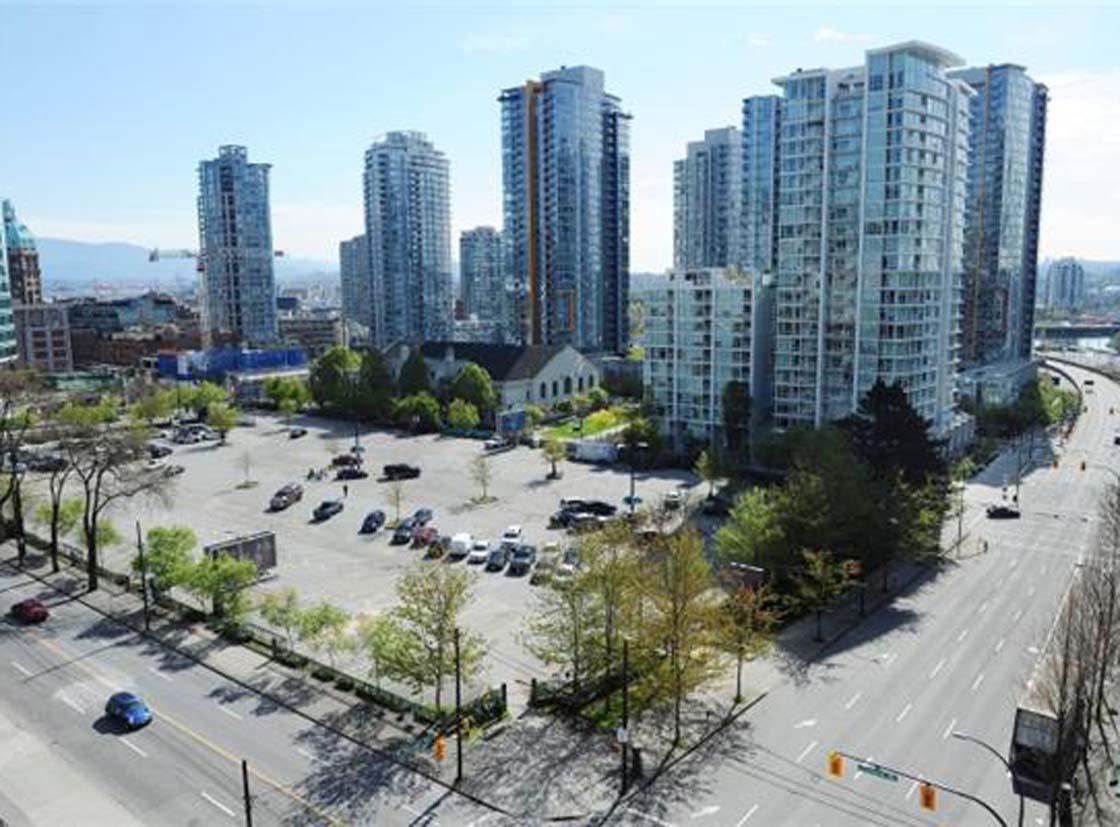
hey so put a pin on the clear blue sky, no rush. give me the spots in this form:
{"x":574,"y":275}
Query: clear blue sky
{"x":107,"y":110}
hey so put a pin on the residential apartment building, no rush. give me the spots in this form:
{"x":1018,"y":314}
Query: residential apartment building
{"x":237,"y":287}
{"x":482,"y":276}
{"x":357,"y":298}
{"x":1007,"y":135}
{"x":707,"y":201}
{"x":316,"y":333}
{"x":1065,"y":285}
{"x":566,"y":207}
{"x":25,"y":279}
{"x":44,"y":337}
{"x":871,"y":215}
{"x":408,"y":229}
{"x":760,"y":133}
{"x":706,"y":328}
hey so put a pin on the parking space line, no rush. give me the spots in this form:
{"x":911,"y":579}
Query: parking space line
{"x":979,"y":680}
{"x":74,"y":705}
{"x":218,"y":804}
{"x":937,"y":668}
{"x":805,"y":752}
{"x":854,"y":699}
{"x":949,"y":729}
{"x":230,"y":712}
{"x":23,"y":670}
{"x":647,"y":817}
{"x":133,"y":747}
{"x":903,"y":713}
{"x":159,"y":674}
{"x":748,"y":815}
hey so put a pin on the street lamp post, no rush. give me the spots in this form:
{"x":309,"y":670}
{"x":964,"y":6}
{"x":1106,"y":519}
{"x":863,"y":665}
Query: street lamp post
{"x":352,"y":375}
{"x":963,"y":736}
{"x":633,"y":450}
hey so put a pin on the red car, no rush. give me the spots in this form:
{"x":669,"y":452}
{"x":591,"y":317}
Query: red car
{"x":30,"y":611}
{"x":425,"y":536}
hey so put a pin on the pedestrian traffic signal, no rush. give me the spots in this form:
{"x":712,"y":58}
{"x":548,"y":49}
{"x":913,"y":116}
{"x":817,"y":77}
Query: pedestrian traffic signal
{"x":835,"y":764}
{"x":928,"y":797}
{"x":440,"y":747}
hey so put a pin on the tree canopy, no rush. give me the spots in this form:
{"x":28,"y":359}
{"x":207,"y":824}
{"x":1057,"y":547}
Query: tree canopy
{"x":891,"y":437}
{"x":472,"y":384}
{"x":413,"y":378}
{"x":330,"y":377}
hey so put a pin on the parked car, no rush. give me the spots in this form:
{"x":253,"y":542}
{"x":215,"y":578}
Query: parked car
{"x":495,"y":443}
{"x":327,"y":509}
{"x":400,"y":471}
{"x":497,"y":558}
{"x":46,"y":462}
{"x":346,"y":460}
{"x":372,"y":522}
{"x":30,"y":610}
{"x":673,"y":500}
{"x":402,"y":535}
{"x":599,"y":508}
{"x":422,"y":516}
{"x":545,"y":568}
{"x":290,"y":493}
{"x":460,"y":545}
{"x":582,"y":523}
{"x":173,"y":470}
{"x":424,"y":535}
{"x":183,"y":437}
{"x":296,"y":433}
{"x":511,"y":536}
{"x":1002,"y":512}
{"x":572,"y":504}
{"x":716,"y":506}
{"x":480,"y":551}
{"x":157,"y":451}
{"x":129,"y":709}
{"x":351,"y":473}
{"x":523,"y":559}
{"x":569,"y":563}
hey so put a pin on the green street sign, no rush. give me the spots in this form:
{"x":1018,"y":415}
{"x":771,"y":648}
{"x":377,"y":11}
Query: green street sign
{"x":877,"y":771}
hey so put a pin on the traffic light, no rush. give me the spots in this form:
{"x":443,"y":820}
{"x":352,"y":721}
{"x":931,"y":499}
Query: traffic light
{"x":440,"y":747}
{"x":835,"y":764}
{"x":928,"y":796}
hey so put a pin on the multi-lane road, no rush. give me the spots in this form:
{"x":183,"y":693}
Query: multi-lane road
{"x":62,"y":762}
{"x":954,"y":655}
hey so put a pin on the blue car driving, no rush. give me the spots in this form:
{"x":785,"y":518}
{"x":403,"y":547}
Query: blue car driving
{"x":129,"y":710}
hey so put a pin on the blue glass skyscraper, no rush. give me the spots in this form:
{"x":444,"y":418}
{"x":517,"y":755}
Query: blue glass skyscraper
{"x":759,"y":234}
{"x":707,"y":186}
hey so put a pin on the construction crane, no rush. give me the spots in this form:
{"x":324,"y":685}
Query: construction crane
{"x":156,"y":254}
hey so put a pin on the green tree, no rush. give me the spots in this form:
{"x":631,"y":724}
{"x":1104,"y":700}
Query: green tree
{"x":154,"y":406}
{"x":754,"y":533}
{"x":281,"y":610}
{"x":414,"y":379}
{"x":222,"y":418}
{"x":472,"y":384}
{"x":892,"y":438}
{"x":554,"y":451}
{"x":819,"y":581}
{"x":597,"y":399}
{"x":220,"y":583}
{"x":324,"y":628}
{"x":737,"y":416}
{"x":420,"y":412}
{"x":288,"y":408}
{"x":429,"y":602}
{"x":462,"y":415}
{"x":641,"y":430}
{"x":384,"y":642}
{"x":167,"y":556}
{"x":748,"y":618}
{"x":707,"y":469}
{"x":557,"y":631}
{"x":376,"y":389}
{"x":207,"y":394}
{"x":481,"y":474}
{"x":283,"y":388}
{"x":534,"y":414}
{"x":329,"y":381}
{"x":62,"y":516}
{"x":683,"y":617}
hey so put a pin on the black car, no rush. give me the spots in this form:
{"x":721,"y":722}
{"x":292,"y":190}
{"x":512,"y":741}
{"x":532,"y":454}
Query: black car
{"x":351,"y":473}
{"x":373,"y":522}
{"x":1002,"y":512}
{"x":422,"y":516}
{"x":404,"y":531}
{"x":497,"y":559}
{"x":296,"y":433}
{"x":400,"y":471}
{"x":523,"y":559}
{"x":599,"y":508}
{"x":48,"y":463}
{"x":157,"y":451}
{"x":326,"y":509}
{"x":290,"y":493}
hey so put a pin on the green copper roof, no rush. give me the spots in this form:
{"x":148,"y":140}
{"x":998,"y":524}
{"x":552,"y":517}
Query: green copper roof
{"x":17,"y":235}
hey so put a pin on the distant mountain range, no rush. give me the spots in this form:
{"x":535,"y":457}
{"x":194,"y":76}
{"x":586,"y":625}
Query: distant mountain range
{"x":67,"y":264}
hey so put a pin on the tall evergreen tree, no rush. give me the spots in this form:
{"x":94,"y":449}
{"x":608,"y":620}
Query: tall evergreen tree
{"x":892,"y":438}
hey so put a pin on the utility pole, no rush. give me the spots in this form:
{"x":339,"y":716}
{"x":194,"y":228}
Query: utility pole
{"x":625,"y":733}
{"x":143,"y":577}
{"x":458,"y":712}
{"x":245,"y":793}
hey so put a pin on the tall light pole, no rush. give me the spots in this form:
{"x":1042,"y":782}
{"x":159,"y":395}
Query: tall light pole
{"x":964,"y":736}
{"x":632,"y":452}
{"x":352,"y":374}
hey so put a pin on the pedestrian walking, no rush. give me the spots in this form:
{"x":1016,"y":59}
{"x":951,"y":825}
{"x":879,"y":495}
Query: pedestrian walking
{"x":346,"y":491}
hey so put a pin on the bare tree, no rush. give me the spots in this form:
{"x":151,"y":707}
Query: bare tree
{"x":17,"y":415}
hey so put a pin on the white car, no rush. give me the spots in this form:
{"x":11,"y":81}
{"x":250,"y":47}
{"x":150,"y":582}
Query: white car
{"x":460,"y":545}
{"x":512,"y":535}
{"x":673,"y":499}
{"x":480,"y":550}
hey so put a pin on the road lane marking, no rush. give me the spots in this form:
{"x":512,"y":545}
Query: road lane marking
{"x":808,"y":722}
{"x":646,"y":816}
{"x":230,"y":712}
{"x":1000,"y":644}
{"x":805,"y":752}
{"x":962,"y":635}
{"x":747,"y":817}
{"x":23,"y":670}
{"x":72,"y":704}
{"x":133,"y":747}
{"x":853,"y":700}
{"x":949,"y":729}
{"x":1031,"y":591}
{"x":159,"y":674}
{"x":983,"y":607}
{"x":218,"y":804}
{"x":979,"y":680}
{"x":1015,"y":617}
{"x":937,"y":668}
{"x":910,"y":791}
{"x":903,"y":713}
{"x":711,"y":809}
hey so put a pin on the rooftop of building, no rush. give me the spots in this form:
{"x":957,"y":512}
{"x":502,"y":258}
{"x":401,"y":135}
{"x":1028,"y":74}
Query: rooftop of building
{"x":504,"y":363}
{"x":16,"y":234}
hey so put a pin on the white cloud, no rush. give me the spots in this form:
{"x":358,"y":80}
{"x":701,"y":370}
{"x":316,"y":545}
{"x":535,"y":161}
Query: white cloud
{"x":757,"y":41}
{"x":496,"y":43}
{"x":1081,"y":179}
{"x":827,"y":34}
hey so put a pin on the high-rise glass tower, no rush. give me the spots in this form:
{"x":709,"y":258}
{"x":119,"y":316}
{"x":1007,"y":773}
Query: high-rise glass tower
{"x":238,"y":288}
{"x":761,"y":123}
{"x":707,"y":185}
{"x":1008,"y":132}
{"x":353,"y":267}
{"x":874,"y":163}
{"x":408,"y":228}
{"x":481,"y":274}
{"x":24,"y":276}
{"x":7,"y":325}
{"x":566,"y":206}
{"x":1065,"y":285}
